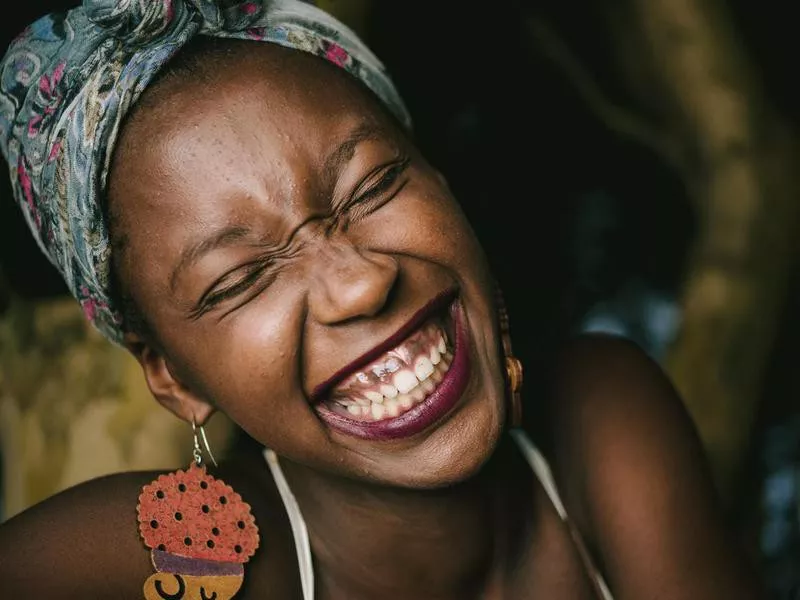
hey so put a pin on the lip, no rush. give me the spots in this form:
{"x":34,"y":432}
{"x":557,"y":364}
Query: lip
{"x":435,"y":305}
{"x":436,"y":406}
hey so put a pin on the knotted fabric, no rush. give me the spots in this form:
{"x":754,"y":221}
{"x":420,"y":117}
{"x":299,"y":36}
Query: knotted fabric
{"x":67,"y":81}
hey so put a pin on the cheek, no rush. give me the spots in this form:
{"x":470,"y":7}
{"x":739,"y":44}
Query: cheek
{"x":425,"y":221}
{"x":248,"y":363}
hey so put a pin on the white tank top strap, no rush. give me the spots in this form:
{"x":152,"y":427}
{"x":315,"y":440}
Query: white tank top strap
{"x":542,"y":471}
{"x":537,"y":462}
{"x":299,"y":529}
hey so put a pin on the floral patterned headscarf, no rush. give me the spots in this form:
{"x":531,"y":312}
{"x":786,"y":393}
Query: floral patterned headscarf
{"x":68,"y":80}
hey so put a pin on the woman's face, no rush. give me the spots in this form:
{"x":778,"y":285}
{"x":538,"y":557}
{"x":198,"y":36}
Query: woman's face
{"x":306,"y":270}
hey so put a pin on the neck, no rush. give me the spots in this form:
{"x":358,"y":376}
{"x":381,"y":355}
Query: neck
{"x":379,"y":542}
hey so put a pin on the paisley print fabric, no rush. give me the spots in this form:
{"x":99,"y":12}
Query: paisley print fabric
{"x":67,"y":81}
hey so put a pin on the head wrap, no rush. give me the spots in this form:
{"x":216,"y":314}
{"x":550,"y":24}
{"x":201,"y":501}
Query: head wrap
{"x":68,"y":80}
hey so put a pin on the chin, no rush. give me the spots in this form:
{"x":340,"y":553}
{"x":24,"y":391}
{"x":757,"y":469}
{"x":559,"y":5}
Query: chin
{"x":460,"y":455}
{"x":450,"y":454}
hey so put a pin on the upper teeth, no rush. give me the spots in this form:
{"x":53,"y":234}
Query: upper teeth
{"x":423,"y":367}
{"x":405,"y":381}
{"x":388,"y":387}
{"x":388,"y":391}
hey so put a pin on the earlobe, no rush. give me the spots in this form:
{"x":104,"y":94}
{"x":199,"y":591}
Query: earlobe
{"x":165,"y":386}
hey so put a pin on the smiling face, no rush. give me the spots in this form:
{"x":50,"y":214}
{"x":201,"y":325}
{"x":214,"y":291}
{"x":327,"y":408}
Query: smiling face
{"x":304,"y":269}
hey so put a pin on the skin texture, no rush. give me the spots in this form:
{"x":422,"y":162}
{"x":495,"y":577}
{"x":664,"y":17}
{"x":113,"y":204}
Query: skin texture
{"x":336,"y":281}
{"x":451,"y":513}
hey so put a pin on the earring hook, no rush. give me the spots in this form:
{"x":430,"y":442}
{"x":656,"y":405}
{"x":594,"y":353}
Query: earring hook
{"x":197,"y":451}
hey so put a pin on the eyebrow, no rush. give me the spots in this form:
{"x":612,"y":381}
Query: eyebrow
{"x":192,"y":254}
{"x":345,"y":151}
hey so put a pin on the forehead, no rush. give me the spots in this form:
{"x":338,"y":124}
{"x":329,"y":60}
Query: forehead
{"x":247,"y":137}
{"x":280,"y":90}
{"x":259,"y":108}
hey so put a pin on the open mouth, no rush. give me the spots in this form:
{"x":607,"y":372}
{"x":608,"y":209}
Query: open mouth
{"x":408,"y":383}
{"x":401,"y":378}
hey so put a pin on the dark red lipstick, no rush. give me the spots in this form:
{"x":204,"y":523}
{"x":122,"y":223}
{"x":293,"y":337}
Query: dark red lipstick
{"x":425,"y":414}
{"x":437,"y":305}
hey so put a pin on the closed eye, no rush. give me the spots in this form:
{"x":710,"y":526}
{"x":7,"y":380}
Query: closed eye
{"x":234,"y":284}
{"x":374,"y":190}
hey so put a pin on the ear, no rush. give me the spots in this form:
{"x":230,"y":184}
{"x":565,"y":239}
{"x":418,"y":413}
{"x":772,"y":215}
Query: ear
{"x":170,"y":391}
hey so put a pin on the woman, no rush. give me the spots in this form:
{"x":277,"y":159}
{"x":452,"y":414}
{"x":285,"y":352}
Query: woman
{"x":256,"y":226}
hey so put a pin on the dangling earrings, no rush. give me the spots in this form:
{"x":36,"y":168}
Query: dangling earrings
{"x":513,"y":365}
{"x":200,"y":532}
{"x":197,"y":452}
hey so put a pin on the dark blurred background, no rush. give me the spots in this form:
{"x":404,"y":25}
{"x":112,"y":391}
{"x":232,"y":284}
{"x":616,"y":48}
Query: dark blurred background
{"x":631,"y":168}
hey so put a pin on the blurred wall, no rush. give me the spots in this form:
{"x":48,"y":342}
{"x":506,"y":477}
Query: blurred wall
{"x":74,"y":407}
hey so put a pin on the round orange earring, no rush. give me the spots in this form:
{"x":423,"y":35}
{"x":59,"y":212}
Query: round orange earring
{"x":513,"y":365}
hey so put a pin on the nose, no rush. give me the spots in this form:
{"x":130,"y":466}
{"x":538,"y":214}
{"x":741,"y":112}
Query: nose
{"x":348,"y":282}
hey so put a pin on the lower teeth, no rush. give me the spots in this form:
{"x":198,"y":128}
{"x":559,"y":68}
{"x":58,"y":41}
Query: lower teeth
{"x":393,"y":407}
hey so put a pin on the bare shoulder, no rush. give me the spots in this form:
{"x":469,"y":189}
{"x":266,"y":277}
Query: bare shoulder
{"x":84,"y":542}
{"x":635,"y":477}
{"x":613,"y":384}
